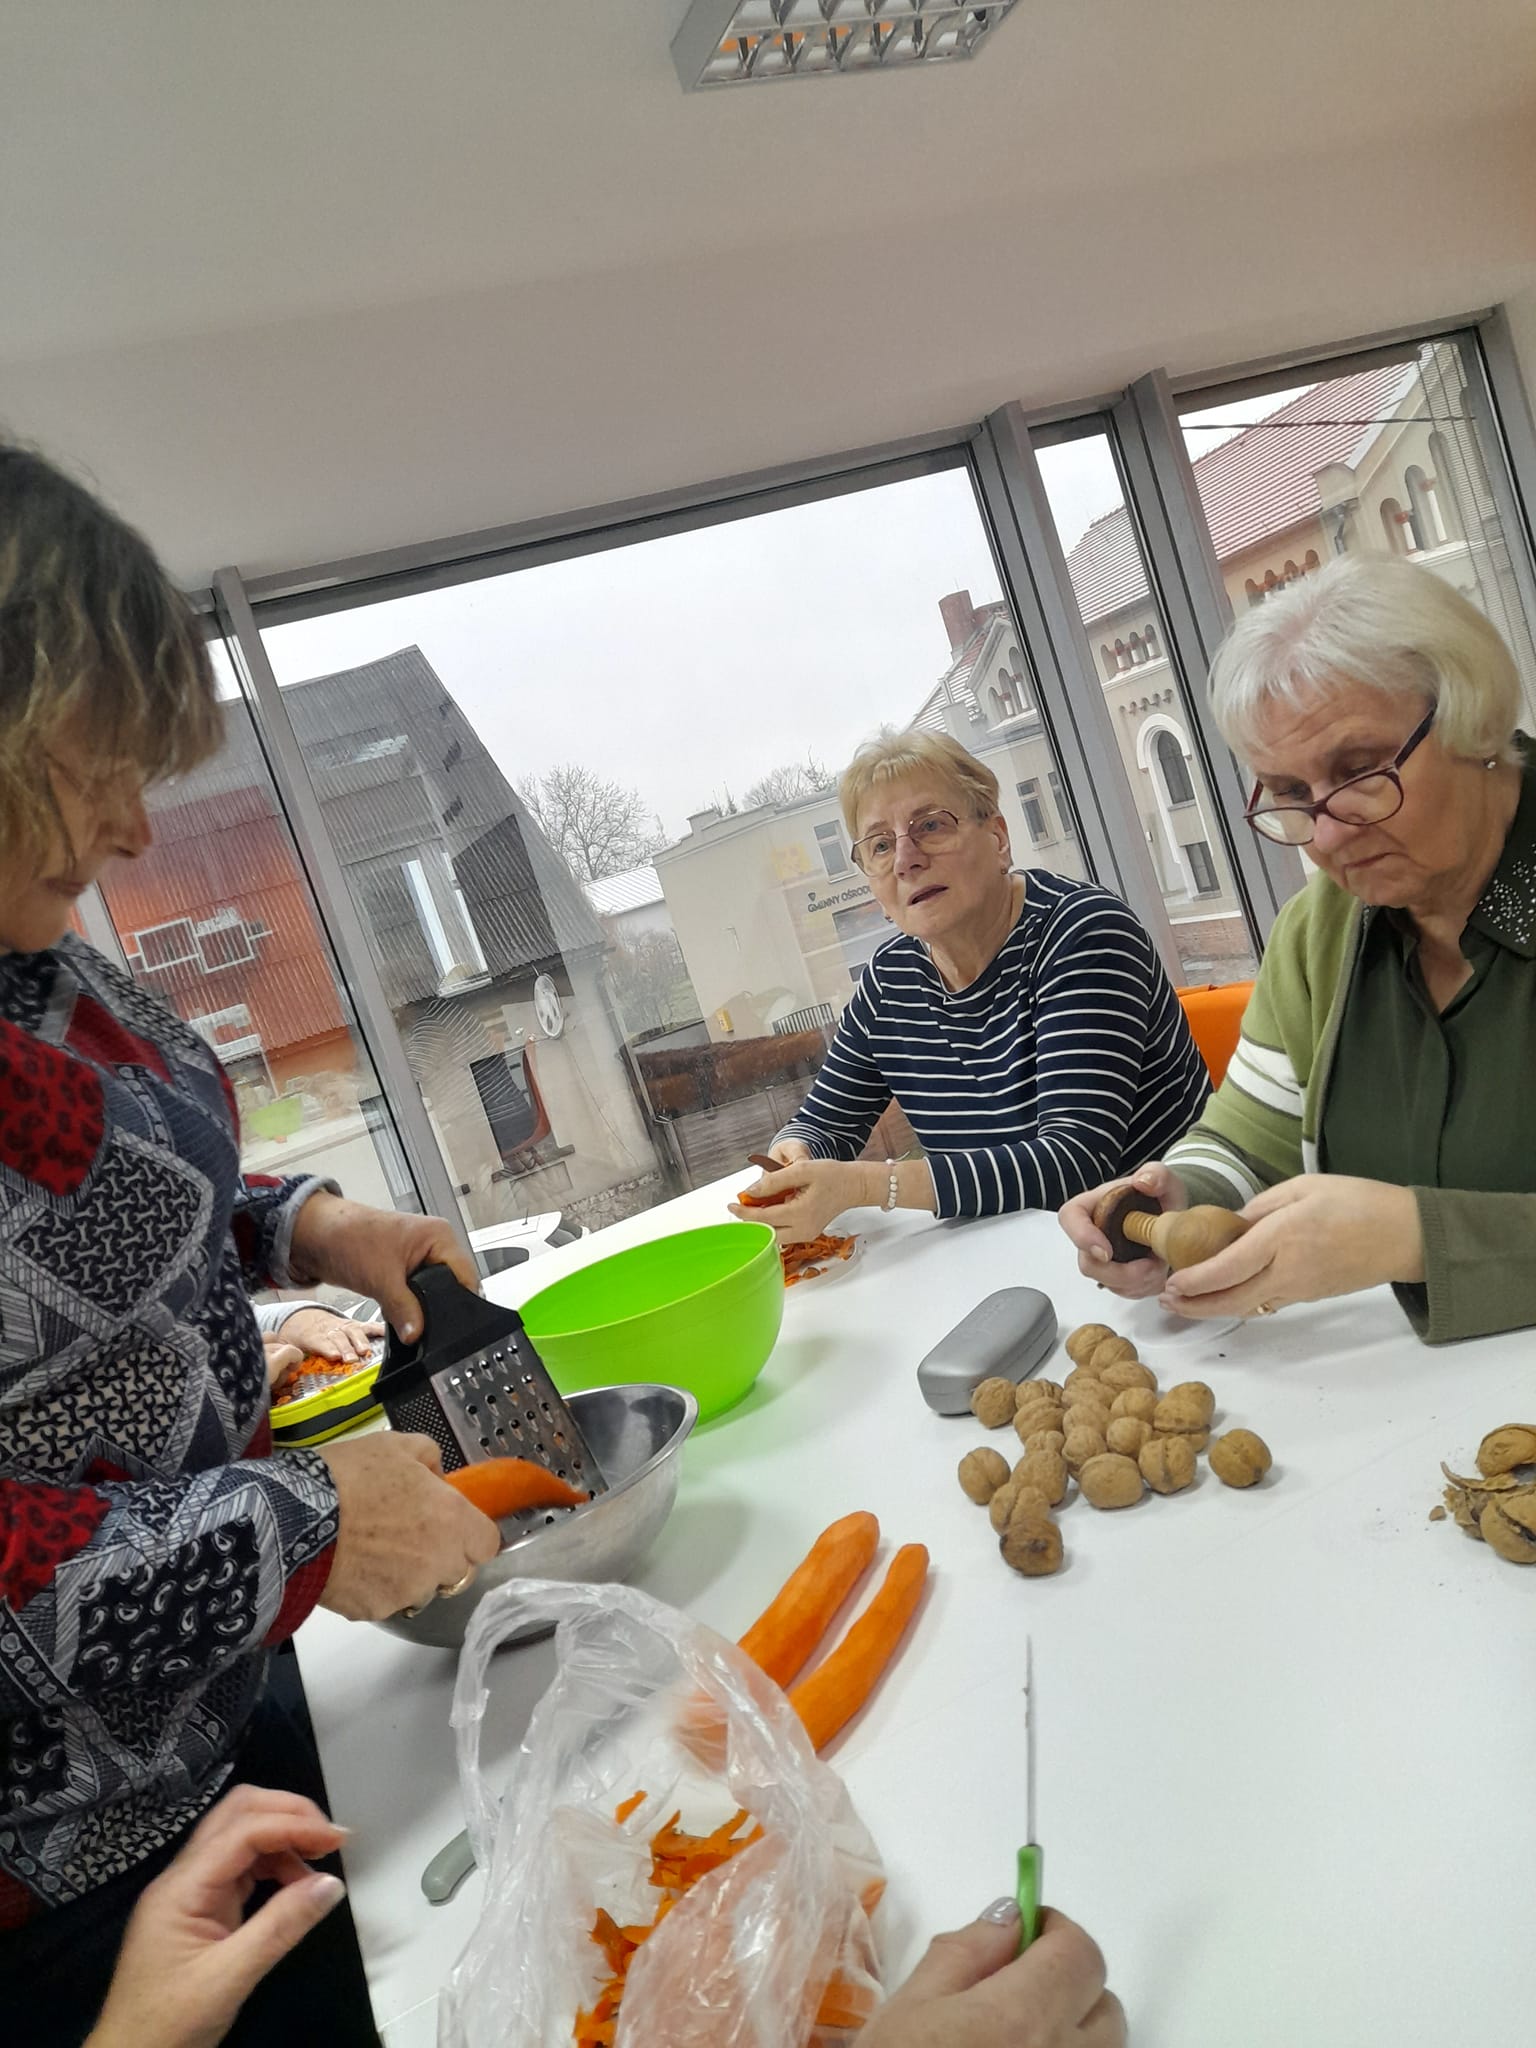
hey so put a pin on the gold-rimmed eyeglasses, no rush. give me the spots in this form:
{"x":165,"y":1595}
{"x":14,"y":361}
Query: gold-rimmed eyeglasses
{"x":1368,"y":799}
{"x":933,"y":831}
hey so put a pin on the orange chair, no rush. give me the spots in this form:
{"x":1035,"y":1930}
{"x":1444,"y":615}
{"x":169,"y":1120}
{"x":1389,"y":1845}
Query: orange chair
{"x":1215,"y":1013}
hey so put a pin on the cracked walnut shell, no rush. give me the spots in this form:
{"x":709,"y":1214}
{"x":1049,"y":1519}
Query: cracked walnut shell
{"x":1509,"y":1527}
{"x":1503,"y":1449}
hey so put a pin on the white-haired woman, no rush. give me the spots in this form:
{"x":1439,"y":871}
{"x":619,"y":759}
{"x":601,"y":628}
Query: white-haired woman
{"x":1022,"y":1021}
{"x":1376,"y":1123}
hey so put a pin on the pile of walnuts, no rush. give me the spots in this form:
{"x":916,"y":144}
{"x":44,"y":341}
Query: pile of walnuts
{"x":1498,"y":1507}
{"x":1105,"y":1426}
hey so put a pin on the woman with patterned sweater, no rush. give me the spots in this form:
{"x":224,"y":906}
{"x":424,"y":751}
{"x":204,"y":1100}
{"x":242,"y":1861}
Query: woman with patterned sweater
{"x":1376,"y":1121}
{"x":153,"y":1546}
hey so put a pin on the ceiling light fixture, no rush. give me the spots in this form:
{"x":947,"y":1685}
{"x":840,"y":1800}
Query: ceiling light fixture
{"x":745,"y":42}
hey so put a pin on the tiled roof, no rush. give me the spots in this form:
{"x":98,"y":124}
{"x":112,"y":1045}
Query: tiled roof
{"x":954,"y":685}
{"x":615,"y":894}
{"x":1262,"y":481}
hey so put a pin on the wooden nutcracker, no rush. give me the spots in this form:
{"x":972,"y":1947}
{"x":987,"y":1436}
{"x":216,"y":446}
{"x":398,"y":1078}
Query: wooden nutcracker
{"x":1137,"y":1228}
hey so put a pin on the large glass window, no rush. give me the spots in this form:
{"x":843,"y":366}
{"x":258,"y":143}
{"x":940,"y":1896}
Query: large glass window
{"x":1394,"y":458}
{"x":1127,"y":644}
{"x":216,"y":918}
{"x":587,"y":810}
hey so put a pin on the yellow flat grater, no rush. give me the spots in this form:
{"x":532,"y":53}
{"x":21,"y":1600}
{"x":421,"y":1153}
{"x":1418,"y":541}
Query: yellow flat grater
{"x":474,"y":1383}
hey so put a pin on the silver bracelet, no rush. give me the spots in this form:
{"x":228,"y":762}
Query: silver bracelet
{"x":890,"y":1200}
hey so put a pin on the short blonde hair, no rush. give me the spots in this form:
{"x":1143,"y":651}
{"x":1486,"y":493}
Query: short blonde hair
{"x":1371,"y":622}
{"x":91,"y":628}
{"x":893,"y":756}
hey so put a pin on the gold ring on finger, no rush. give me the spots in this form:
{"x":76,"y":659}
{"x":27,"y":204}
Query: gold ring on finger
{"x":447,"y":1592}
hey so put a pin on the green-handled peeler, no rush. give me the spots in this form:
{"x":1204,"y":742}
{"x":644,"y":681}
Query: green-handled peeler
{"x":1031,"y":1856}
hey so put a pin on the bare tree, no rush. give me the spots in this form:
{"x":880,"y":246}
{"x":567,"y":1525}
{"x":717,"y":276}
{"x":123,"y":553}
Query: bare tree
{"x":789,"y":782}
{"x":598,"y":827}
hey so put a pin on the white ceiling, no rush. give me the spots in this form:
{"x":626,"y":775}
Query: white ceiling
{"x":313,"y":276}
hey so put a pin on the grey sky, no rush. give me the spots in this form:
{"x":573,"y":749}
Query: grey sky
{"x":687,"y":666}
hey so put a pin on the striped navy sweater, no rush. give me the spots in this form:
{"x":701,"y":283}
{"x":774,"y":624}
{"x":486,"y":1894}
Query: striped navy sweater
{"x":1066,"y":1061}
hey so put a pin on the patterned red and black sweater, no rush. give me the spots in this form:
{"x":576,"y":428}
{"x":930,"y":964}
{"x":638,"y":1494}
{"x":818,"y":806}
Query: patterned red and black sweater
{"x":151,"y":1542}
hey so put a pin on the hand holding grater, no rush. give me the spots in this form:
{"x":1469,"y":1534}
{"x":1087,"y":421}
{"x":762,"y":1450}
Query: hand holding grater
{"x":473,"y":1383}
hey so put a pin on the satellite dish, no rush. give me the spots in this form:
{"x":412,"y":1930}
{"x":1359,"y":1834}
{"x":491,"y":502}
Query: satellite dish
{"x":547,"y":1006}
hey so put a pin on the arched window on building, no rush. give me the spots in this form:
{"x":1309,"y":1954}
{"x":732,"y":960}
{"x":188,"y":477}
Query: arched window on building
{"x":1443,"y":486}
{"x":1252,"y":591}
{"x":1122,"y":656}
{"x":1311,"y":562}
{"x":1394,"y":526}
{"x":1137,"y":656}
{"x":1107,"y":656}
{"x":1149,"y":641}
{"x":1175,"y":769}
{"x":1424,"y":509}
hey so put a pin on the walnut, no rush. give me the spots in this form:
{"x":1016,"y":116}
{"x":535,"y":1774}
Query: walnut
{"x":1052,"y":1390}
{"x":1185,"y":1408}
{"x":1031,"y":1543}
{"x":1016,"y":1499}
{"x":1129,"y":1372}
{"x":1045,"y":1469}
{"x":1126,"y":1434}
{"x":1503,"y":1449}
{"x":1044,"y":1440}
{"x":981,"y":1474}
{"x":1028,"y":1422}
{"x":1509,"y":1527}
{"x":1076,"y":1381}
{"x":993,"y":1402}
{"x":1138,"y":1401}
{"x":1240,"y":1458}
{"x":1167,"y":1463}
{"x":1081,"y":1444}
{"x":1112,"y":1351}
{"x":1111,"y":1481}
{"x":1083,"y":1339}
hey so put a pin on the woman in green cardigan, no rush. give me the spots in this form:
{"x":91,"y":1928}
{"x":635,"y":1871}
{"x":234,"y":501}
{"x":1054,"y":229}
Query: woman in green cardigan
{"x":1378,"y":1120}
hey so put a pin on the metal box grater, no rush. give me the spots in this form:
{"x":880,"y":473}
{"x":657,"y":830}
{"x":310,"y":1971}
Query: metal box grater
{"x":474,"y":1383}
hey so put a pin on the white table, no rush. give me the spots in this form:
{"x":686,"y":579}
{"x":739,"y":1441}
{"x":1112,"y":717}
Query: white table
{"x":1283,"y":1736}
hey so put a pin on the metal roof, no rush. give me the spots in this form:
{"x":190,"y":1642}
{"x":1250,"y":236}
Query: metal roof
{"x":633,"y":890}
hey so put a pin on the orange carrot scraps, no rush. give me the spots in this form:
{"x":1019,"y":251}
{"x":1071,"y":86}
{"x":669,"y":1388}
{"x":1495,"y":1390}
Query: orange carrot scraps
{"x":750,"y":1201}
{"x":505,"y":1486}
{"x":845,"y":2005}
{"x":313,"y":1367}
{"x":678,"y":1861}
{"x":783,"y":1638}
{"x":805,"y":1261}
{"x":840,"y":1685}
{"x":628,"y":1806}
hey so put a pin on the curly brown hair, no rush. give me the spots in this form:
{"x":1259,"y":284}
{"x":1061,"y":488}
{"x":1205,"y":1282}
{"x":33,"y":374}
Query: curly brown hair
{"x":91,"y":630}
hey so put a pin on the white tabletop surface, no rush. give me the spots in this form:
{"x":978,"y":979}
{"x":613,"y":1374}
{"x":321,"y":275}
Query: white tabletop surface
{"x":1283,"y":1736}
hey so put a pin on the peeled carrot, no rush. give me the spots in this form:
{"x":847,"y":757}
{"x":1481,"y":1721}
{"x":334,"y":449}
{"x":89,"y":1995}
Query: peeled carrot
{"x":840,"y":1685}
{"x":505,"y":1486}
{"x":782,"y":1639}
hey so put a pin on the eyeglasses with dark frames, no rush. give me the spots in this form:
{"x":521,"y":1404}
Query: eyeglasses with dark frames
{"x":1368,"y":799}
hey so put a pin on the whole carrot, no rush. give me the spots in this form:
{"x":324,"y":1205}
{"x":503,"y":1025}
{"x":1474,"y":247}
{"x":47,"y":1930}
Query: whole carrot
{"x":783,"y":1638}
{"x":505,"y":1486}
{"x":839,"y":1686}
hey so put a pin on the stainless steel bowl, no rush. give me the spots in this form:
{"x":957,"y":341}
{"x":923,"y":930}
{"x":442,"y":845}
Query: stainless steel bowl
{"x":636,"y":1434}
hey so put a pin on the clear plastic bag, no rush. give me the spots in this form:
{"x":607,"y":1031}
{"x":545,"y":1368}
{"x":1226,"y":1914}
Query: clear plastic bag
{"x":644,"y":1699}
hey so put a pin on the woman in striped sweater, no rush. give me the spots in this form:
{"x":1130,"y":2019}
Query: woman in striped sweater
{"x":1022,"y":1021}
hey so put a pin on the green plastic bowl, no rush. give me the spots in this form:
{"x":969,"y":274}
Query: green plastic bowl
{"x":699,"y":1310}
